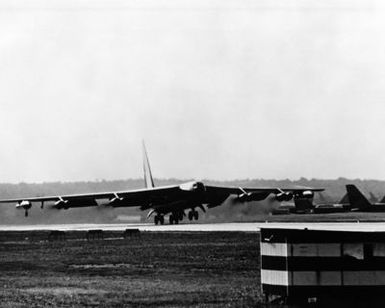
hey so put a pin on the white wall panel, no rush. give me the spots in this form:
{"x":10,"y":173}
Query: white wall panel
{"x":275,"y":277}
{"x":274,"y":249}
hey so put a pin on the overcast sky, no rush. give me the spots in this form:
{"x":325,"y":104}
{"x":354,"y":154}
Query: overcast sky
{"x":219,"y":89}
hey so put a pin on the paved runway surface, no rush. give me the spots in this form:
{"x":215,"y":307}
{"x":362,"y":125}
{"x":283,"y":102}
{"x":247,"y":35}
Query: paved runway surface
{"x":245,"y":227}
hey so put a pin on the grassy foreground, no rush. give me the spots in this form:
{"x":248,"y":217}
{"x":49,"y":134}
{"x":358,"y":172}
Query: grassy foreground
{"x":200,"y":269}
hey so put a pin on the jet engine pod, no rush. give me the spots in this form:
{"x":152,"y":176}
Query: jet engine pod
{"x":115,"y":202}
{"x":258,"y":196}
{"x":307,"y":194}
{"x":62,"y":204}
{"x":252,"y":196}
{"x":25,"y":204}
{"x":284,"y":196}
{"x":244,"y":197}
{"x":193,"y":186}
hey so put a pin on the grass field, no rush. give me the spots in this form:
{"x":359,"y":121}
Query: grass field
{"x":200,"y":269}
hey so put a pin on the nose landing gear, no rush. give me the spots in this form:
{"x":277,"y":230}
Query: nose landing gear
{"x":159,"y":219}
{"x":193,"y":215}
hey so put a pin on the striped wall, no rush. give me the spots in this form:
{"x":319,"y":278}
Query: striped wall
{"x":274,"y":249}
{"x":347,"y":263}
{"x":274,"y":277}
{"x":323,"y":278}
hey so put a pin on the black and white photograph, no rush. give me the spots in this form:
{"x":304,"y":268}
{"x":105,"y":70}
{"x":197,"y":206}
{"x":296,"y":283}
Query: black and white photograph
{"x":192,"y":153}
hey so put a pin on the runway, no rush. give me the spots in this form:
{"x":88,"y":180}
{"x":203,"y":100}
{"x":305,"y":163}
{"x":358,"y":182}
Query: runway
{"x":240,"y":227}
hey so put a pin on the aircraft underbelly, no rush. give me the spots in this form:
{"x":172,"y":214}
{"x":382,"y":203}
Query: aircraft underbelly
{"x":172,"y":207}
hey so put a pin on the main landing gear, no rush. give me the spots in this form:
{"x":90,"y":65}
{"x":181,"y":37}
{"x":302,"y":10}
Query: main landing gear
{"x":175,"y":218}
{"x":159,"y":219}
{"x":193,"y":215}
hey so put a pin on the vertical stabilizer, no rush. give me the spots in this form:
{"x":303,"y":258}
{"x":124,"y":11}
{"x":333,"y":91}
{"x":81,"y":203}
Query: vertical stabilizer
{"x":344,"y":200}
{"x":382,"y":200}
{"x":148,"y":180}
{"x":373,"y":198}
{"x":356,"y":198}
{"x":322,"y":198}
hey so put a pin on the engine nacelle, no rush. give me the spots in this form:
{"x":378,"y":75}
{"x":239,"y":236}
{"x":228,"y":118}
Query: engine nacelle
{"x":116,"y":201}
{"x":192,"y":186}
{"x":284,"y":196}
{"x":61,"y":204}
{"x":25,"y":205}
{"x":252,"y":196}
{"x":245,"y":197}
{"x":307,"y":194}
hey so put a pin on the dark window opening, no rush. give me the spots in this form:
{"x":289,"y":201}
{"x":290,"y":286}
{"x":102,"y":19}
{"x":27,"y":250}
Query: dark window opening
{"x":368,"y":251}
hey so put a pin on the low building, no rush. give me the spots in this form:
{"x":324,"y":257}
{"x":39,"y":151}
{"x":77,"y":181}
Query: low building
{"x":300,"y":265}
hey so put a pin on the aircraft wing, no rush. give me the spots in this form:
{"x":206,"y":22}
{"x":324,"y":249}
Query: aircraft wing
{"x":147,"y":198}
{"x":215,"y":195}
{"x":168,"y":198}
{"x":270,"y":190}
{"x":76,"y":200}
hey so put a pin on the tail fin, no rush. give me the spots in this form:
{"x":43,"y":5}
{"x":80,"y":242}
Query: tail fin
{"x":344,"y":200}
{"x":321,"y":198}
{"x":148,"y":180}
{"x":373,"y":198}
{"x":356,"y":198}
{"x":382,"y":200}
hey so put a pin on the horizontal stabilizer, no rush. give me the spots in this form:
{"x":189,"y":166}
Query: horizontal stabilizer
{"x":356,"y":198}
